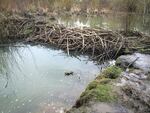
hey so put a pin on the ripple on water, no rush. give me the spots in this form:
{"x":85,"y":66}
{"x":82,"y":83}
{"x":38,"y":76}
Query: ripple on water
{"x":37,"y":83}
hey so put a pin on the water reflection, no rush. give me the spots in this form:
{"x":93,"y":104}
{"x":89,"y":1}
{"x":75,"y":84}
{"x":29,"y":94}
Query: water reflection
{"x":36,"y":82}
{"x":112,"y":21}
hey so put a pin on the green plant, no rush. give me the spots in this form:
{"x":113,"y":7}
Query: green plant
{"x":112,"y":72}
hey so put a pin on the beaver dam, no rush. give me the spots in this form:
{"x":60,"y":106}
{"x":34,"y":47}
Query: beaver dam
{"x":45,"y":78}
{"x":97,"y":42}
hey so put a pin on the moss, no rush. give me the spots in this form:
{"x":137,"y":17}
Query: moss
{"x":96,"y":82}
{"x":101,"y":92}
{"x":104,"y":80}
{"x":101,"y":88}
{"x":92,"y":85}
{"x":112,"y":72}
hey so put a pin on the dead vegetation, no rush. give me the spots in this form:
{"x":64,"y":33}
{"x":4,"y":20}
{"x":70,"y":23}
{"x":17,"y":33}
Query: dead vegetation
{"x":97,"y":42}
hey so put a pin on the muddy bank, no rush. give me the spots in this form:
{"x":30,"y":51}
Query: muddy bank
{"x":124,"y":88}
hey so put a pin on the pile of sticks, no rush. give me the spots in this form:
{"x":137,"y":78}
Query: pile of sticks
{"x":96,"y":42}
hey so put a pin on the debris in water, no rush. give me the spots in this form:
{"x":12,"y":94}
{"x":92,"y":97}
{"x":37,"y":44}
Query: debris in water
{"x":69,"y":73}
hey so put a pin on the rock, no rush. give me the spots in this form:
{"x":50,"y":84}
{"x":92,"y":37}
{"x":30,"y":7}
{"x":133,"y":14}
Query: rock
{"x":138,"y":98}
{"x":109,"y":108}
{"x":136,"y":60}
{"x":100,"y":107}
{"x":135,"y":90}
{"x":134,"y":83}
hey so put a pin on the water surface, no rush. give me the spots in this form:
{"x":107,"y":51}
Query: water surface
{"x":109,"y":21}
{"x":32,"y":79}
